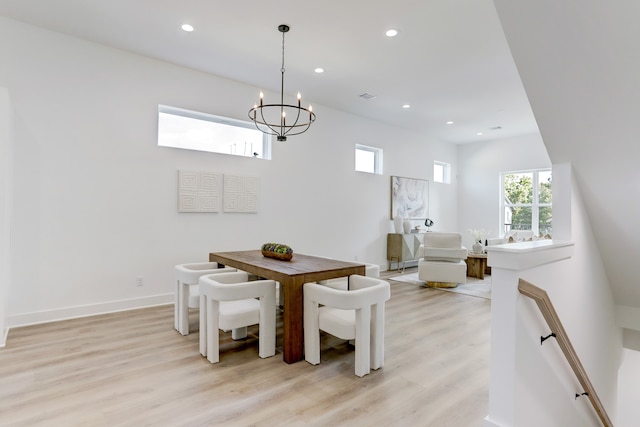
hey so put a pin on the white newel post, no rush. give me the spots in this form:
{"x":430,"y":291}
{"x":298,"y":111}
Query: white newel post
{"x":509,"y":263}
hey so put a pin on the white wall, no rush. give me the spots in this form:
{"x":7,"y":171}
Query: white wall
{"x":5,"y":209}
{"x":628,"y":408}
{"x":95,"y":198}
{"x":480,"y":165}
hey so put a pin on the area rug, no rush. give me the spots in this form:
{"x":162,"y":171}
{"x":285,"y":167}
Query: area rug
{"x":474,"y":287}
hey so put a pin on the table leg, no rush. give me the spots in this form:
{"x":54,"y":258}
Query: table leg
{"x":292,"y":324}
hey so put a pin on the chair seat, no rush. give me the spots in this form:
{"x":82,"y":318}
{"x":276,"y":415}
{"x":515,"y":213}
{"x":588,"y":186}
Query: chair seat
{"x":234,"y":314}
{"x":442,"y":271}
{"x":337,"y":322}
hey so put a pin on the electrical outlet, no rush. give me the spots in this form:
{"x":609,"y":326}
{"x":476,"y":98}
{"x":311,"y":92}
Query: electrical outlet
{"x":139,"y":281}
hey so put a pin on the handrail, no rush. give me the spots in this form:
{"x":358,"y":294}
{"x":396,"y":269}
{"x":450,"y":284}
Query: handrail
{"x":543,"y":301}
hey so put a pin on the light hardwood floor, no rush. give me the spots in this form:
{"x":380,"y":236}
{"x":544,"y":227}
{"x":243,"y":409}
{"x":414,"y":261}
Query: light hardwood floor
{"x":134,"y":369}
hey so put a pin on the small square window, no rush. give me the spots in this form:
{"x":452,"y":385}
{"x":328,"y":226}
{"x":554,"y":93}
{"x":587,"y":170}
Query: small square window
{"x":368,"y":159}
{"x":441,"y":172}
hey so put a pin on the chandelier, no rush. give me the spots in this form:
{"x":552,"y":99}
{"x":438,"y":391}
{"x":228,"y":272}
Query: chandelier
{"x":281,"y":119}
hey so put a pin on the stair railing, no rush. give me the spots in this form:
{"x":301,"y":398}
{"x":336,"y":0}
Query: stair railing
{"x":549,"y":313}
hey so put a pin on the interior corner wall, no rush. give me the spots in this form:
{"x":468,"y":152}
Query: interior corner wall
{"x":480,"y":165}
{"x":5,"y":208}
{"x":95,"y":198}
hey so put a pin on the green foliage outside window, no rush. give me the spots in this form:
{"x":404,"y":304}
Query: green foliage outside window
{"x":520,"y":201}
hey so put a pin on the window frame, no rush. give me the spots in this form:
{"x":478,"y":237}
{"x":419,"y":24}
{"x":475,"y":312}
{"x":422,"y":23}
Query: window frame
{"x":535,"y":204}
{"x":377,"y":158}
{"x":446,"y":172}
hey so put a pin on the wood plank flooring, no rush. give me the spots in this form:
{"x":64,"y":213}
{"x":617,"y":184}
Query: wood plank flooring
{"x":133,"y":369}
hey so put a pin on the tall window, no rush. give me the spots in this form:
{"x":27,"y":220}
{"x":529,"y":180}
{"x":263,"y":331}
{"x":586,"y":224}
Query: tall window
{"x":526,"y":201}
{"x":368,"y":159}
{"x":192,"y":130}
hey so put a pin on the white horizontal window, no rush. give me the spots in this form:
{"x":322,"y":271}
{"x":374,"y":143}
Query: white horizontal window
{"x":193,"y":130}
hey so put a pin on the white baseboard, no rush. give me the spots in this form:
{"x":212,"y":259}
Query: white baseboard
{"x":3,"y":338}
{"x":35,"y":318}
{"x":490,"y":423}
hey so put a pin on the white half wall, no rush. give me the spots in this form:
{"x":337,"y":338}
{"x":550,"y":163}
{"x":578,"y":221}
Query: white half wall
{"x":541,"y":389}
{"x":95,"y":198}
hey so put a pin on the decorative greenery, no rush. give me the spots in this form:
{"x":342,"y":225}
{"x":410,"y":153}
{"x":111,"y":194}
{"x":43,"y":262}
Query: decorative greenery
{"x":277,"y":248}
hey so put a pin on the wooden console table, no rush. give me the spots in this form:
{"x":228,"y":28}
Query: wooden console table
{"x":403,"y":247}
{"x":477,"y":265}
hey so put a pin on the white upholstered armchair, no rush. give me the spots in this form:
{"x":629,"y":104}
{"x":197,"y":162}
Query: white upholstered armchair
{"x":441,"y":261}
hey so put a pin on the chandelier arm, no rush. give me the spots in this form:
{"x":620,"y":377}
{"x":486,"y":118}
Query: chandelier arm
{"x":267,"y":124}
{"x":295,"y":123}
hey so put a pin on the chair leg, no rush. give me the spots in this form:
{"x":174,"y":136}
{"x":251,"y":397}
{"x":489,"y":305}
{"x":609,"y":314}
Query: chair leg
{"x":363,"y":341}
{"x":203,"y":325}
{"x":239,"y":333}
{"x":311,"y":333}
{"x":184,"y":309}
{"x":377,"y":336}
{"x":213,"y":319}
{"x":176,"y":307}
{"x":267,"y":331}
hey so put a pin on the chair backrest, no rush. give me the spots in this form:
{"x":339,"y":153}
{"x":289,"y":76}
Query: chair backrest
{"x":364,"y":291}
{"x":443,"y":240}
{"x":234,"y":286}
{"x":191,"y":272}
{"x":372,"y":270}
{"x":442,"y":247}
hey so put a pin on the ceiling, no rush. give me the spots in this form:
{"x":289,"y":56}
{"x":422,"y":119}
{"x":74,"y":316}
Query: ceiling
{"x":450,"y":60}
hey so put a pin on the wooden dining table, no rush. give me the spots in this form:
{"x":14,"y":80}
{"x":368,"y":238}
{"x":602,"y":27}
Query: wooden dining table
{"x":291,"y":275}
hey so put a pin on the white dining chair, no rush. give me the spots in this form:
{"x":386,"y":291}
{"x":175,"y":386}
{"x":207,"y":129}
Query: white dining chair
{"x":371,"y":270}
{"x":186,"y":290}
{"x":229,"y":302}
{"x":354,"y":314}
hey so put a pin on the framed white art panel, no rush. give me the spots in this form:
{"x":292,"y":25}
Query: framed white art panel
{"x":409,"y":198}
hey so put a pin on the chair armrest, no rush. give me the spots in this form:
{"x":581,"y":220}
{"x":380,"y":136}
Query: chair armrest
{"x":228,"y":277}
{"x":237,"y":291}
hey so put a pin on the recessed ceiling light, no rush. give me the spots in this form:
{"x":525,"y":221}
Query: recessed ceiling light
{"x":406,"y":106}
{"x":479,"y":133}
{"x":391,"y":33}
{"x":319,"y":70}
{"x":188,"y":28}
{"x":449,"y":122}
